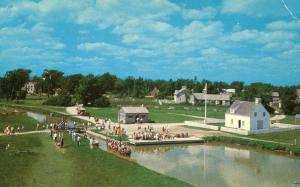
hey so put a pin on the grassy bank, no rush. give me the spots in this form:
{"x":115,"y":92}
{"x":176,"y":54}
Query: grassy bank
{"x":16,"y":118}
{"x":289,"y":119}
{"x":274,"y":146}
{"x":282,"y":137}
{"x":34,"y":160}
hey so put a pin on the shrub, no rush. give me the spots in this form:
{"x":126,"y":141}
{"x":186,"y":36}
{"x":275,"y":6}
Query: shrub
{"x":61,"y":100}
{"x":101,"y":102}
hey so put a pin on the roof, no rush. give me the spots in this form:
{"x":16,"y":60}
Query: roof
{"x":134,"y":110}
{"x":220,"y":97}
{"x":244,"y":108}
{"x":275,"y":94}
{"x":183,"y":89}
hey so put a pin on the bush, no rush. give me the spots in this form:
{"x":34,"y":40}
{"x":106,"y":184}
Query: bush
{"x":61,"y":100}
{"x":102,"y":102}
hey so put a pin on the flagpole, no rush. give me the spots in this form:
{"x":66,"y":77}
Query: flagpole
{"x":205,"y":103}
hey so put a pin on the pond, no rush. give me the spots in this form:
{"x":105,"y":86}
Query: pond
{"x":42,"y":118}
{"x":39,"y":117}
{"x":219,"y":165}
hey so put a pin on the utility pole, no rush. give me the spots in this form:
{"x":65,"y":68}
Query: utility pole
{"x":205,"y":102}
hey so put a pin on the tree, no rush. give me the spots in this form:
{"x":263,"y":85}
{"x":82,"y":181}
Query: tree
{"x":71,"y":83}
{"x":52,"y":80}
{"x":108,"y":81}
{"x":238,"y":86}
{"x":89,"y":90}
{"x":15,"y":81}
{"x":288,"y":97}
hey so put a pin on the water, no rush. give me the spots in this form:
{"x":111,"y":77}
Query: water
{"x":42,"y":118}
{"x":39,"y":117}
{"x":219,"y":165}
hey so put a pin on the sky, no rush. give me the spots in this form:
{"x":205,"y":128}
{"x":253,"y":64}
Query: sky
{"x":217,"y":40}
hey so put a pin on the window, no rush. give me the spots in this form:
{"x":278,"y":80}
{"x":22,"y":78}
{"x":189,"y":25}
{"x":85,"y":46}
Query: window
{"x":243,"y":123}
{"x":231,"y":121}
{"x":264,"y":114}
{"x":255,"y":114}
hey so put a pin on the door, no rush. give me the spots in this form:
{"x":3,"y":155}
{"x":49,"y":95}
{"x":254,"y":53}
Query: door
{"x":260,"y":124}
{"x":240,"y":123}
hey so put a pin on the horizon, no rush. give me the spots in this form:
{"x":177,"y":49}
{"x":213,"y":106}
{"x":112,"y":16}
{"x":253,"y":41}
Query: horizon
{"x":250,"y":41}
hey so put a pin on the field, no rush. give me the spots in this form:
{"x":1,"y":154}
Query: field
{"x":282,"y":137}
{"x":34,"y":160}
{"x":164,"y":114}
{"x":169,"y":113}
{"x":290,"y":119}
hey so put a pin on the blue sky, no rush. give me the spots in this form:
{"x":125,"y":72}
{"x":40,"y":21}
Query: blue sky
{"x":218,"y":40}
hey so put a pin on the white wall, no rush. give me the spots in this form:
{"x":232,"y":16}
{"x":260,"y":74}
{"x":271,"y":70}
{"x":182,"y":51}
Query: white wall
{"x":260,"y":109}
{"x":245,"y":121}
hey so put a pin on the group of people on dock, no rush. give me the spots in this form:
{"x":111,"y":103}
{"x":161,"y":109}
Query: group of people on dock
{"x":119,"y":147}
{"x":150,"y":134}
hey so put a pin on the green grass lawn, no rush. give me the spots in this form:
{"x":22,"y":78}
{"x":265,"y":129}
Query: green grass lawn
{"x":34,"y":103}
{"x":163,"y":114}
{"x":34,"y":160}
{"x":282,"y":137}
{"x":290,"y":119}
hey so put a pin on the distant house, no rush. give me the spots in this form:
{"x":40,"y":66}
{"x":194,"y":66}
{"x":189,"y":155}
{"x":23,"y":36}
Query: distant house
{"x":218,"y":99}
{"x":229,"y":91}
{"x":130,"y":115}
{"x":247,"y":116}
{"x":276,"y":102}
{"x":57,"y":91}
{"x":297,"y":119}
{"x":182,"y":95}
{"x":154,"y":92}
{"x":30,"y":87}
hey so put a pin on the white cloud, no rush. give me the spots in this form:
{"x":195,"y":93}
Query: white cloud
{"x":255,"y":36}
{"x":204,"y":13}
{"x":114,"y":50}
{"x":283,"y":25}
{"x":257,"y":8}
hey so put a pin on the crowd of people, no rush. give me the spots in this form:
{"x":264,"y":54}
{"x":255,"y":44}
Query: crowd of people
{"x":10,"y":130}
{"x":57,"y":136}
{"x":147,"y":133}
{"x":119,"y":147}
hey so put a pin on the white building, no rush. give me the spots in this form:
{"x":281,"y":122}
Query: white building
{"x":182,"y":95}
{"x":30,"y":87}
{"x":229,"y":91}
{"x":249,"y":116}
{"x":218,"y":99}
{"x":130,"y":115}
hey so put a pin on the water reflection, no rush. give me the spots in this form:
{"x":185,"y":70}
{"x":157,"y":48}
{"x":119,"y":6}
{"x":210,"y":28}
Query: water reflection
{"x":208,"y":165}
{"x":39,"y":117}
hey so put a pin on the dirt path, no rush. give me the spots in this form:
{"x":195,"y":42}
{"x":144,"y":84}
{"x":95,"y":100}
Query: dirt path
{"x":277,"y":117}
{"x":28,"y":132}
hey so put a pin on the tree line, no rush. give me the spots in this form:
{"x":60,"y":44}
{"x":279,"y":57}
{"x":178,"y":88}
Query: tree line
{"x":91,"y":89}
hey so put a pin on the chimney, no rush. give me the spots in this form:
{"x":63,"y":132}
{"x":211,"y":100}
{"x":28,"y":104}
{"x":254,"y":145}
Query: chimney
{"x":257,"y":100}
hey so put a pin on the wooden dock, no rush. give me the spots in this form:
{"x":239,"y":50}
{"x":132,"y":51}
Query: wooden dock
{"x":163,"y":142}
